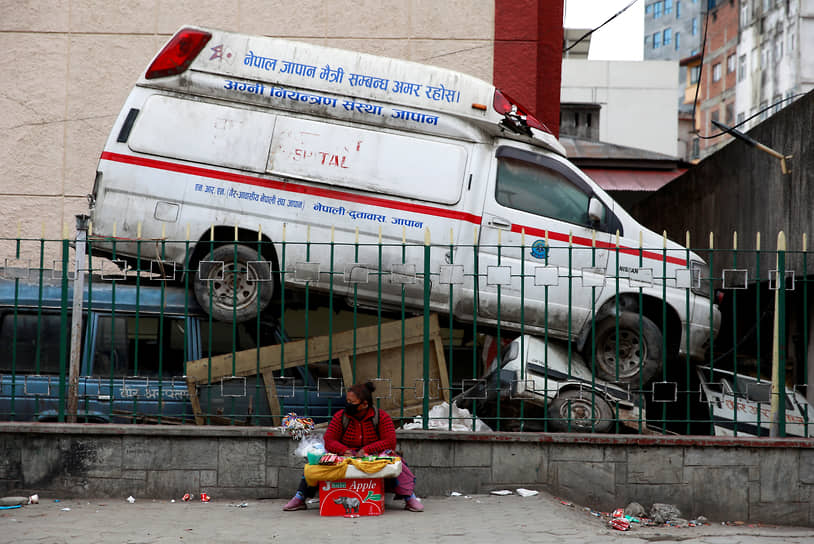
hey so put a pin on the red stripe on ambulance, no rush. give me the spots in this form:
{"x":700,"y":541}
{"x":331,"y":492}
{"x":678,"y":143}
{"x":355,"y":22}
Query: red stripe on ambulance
{"x":370,"y":200}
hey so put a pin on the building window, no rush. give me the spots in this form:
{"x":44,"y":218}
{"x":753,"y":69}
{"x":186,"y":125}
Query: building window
{"x":668,"y":35}
{"x":678,"y":40}
{"x":791,"y":40}
{"x":695,"y":73}
{"x":646,"y":41}
{"x":730,"y":63}
{"x":694,"y":26}
{"x":696,"y":144}
{"x":713,"y":117}
{"x":657,"y":10}
{"x":744,"y":13}
{"x":716,"y":72}
{"x":668,"y":6}
{"x":678,"y":9}
{"x":741,"y":117}
{"x":730,"y":114}
{"x":778,"y":48}
{"x":656,"y":40}
{"x":742,"y":68}
{"x":580,"y":120}
{"x":648,"y":9}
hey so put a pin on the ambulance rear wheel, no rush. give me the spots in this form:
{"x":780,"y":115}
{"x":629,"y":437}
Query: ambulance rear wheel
{"x":232,"y":291}
{"x":634,"y":355}
{"x":579,"y":411}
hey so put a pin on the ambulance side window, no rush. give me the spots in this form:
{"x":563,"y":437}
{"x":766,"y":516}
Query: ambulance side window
{"x":539,"y":190}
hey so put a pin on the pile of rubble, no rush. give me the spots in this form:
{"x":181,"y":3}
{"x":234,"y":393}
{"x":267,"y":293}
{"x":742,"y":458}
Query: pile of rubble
{"x":635,"y":515}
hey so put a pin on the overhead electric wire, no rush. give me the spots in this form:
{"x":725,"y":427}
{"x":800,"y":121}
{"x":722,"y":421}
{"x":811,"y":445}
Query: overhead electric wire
{"x":770,"y":106}
{"x":614,"y":16}
{"x":700,"y":66}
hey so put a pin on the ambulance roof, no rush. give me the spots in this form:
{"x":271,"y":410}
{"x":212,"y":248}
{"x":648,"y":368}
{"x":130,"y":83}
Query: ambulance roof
{"x":298,"y":65}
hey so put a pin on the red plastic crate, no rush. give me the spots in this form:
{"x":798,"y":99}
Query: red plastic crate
{"x":353,"y":497}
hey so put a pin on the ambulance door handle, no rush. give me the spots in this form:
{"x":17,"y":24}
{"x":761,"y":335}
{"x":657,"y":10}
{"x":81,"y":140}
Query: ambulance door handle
{"x":499,"y":223}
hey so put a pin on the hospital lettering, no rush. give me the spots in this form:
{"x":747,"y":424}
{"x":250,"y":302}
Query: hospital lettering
{"x":252,"y":196}
{"x":361,"y":80}
{"x":242,"y":86}
{"x":264,"y":63}
{"x":337,"y":75}
{"x":415,"y":116}
{"x":407,"y":222}
{"x":332,"y":76}
{"x":329,"y":159}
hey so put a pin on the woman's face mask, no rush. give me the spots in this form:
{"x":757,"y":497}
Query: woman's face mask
{"x":353,"y":408}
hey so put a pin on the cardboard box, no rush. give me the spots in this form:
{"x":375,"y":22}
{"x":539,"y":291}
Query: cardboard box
{"x":353,"y":497}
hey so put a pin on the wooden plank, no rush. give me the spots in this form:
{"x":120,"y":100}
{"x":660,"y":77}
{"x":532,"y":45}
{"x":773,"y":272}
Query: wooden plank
{"x":271,"y":397}
{"x":442,"y":366}
{"x":347,"y":370}
{"x":378,"y":355}
{"x":367,"y":340}
{"x":196,"y":403}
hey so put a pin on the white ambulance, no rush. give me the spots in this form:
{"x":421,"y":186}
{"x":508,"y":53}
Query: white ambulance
{"x":227,"y":136}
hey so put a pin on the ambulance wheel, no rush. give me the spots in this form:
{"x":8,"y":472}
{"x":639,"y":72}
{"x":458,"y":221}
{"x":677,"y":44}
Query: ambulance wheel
{"x":232,"y":291}
{"x":639,"y":349}
{"x":575,"y":411}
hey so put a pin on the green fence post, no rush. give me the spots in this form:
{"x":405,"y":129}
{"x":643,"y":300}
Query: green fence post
{"x":427,"y":285}
{"x":779,"y":343}
{"x":63,"y":328}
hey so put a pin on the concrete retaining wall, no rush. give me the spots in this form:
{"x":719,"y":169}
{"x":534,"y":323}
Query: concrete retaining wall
{"x":766,"y":480}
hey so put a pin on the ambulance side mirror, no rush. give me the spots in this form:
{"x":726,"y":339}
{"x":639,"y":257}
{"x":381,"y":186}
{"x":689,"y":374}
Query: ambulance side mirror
{"x":596,"y":211}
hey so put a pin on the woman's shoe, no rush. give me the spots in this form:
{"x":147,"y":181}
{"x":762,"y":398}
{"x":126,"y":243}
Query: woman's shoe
{"x":295,"y":504}
{"x":413,"y":505}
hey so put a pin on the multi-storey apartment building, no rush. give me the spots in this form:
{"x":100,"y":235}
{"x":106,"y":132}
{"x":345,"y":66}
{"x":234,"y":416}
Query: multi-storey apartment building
{"x":775,"y":56}
{"x":716,"y":78}
{"x":672,"y":29}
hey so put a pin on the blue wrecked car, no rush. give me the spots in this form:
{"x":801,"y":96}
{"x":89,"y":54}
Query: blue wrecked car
{"x":136,"y":340}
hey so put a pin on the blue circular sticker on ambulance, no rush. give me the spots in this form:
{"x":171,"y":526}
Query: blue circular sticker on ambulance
{"x":539,"y":250}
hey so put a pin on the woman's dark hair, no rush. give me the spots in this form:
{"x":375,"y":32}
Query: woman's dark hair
{"x":363,"y":392}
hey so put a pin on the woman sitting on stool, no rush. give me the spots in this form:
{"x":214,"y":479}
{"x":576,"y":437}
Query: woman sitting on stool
{"x":353,"y":433}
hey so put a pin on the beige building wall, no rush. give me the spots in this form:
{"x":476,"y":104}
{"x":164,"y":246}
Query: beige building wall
{"x":637,"y":99}
{"x":68,"y":65}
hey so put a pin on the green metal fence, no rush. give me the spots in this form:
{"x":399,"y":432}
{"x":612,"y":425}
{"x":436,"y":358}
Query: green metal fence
{"x":240,"y":309}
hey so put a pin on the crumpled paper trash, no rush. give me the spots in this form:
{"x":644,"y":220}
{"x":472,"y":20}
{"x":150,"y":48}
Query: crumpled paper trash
{"x":131,"y":499}
{"x":439,"y":419}
{"x":526,"y":492}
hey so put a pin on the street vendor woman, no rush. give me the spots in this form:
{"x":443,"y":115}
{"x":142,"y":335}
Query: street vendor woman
{"x":353,"y":433}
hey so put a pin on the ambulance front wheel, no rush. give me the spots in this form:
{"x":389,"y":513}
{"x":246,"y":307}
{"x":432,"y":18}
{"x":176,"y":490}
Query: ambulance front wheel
{"x":229,"y":288}
{"x":631,"y":355}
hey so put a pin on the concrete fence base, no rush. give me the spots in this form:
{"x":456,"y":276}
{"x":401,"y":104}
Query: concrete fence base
{"x":758,"y":480}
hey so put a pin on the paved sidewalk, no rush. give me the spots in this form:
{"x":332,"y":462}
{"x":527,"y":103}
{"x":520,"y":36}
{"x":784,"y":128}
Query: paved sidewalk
{"x":479,"y":518}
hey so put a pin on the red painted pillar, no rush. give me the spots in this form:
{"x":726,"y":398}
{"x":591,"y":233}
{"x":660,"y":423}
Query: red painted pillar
{"x":528,"y":55}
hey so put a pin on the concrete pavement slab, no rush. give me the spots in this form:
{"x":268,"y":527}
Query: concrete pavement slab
{"x":477,"y":518}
